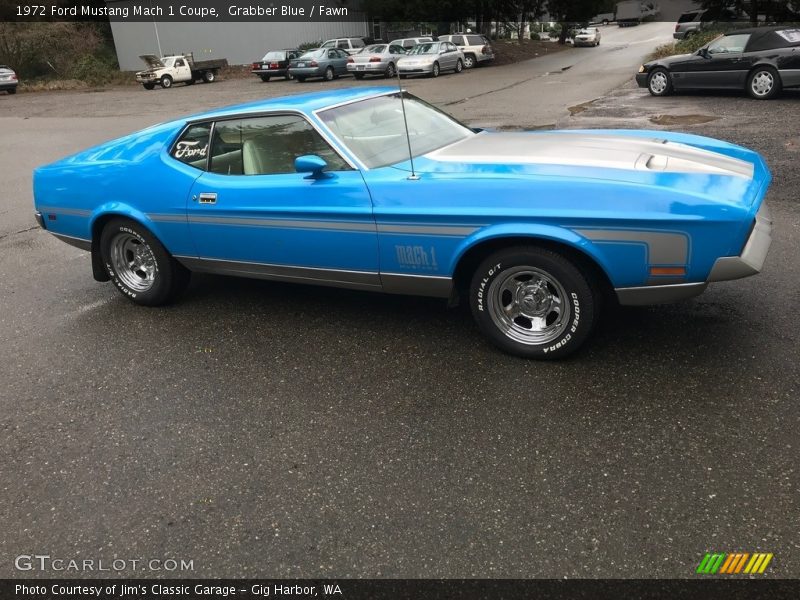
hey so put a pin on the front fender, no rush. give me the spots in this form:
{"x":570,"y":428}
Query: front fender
{"x":534,"y":231}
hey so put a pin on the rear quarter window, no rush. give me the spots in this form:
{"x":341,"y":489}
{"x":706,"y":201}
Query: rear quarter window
{"x":475,"y":40}
{"x":687,"y":17}
{"x":192,"y":147}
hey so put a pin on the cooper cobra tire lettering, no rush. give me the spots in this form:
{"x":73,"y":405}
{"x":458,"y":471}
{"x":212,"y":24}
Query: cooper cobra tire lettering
{"x":169,"y":277}
{"x":533,"y":302}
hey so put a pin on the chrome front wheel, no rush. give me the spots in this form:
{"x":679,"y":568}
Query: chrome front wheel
{"x":133,"y":262}
{"x":533,"y":301}
{"x":529,"y":305}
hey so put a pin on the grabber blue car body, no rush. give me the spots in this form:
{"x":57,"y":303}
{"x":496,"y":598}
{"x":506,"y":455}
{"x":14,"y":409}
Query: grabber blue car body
{"x":531,"y":228}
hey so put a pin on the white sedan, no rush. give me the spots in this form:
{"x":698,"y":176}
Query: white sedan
{"x":589,"y":36}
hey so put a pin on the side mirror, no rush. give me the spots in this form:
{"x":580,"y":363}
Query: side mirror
{"x":310,"y":163}
{"x":704,"y":53}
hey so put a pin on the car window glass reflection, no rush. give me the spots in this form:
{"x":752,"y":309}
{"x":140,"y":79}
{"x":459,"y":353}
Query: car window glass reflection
{"x":728,"y":43}
{"x":267,"y":146}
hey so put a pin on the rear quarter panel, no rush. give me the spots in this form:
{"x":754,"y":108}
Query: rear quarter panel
{"x":132,"y":177}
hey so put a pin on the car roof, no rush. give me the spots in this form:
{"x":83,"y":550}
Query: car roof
{"x":305,"y":103}
{"x":768,"y":38}
{"x":762,"y":30}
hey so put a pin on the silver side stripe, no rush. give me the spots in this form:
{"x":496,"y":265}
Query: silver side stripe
{"x":663,"y":248}
{"x":75,"y":212}
{"x":427,"y":229}
{"x":167,"y":218}
{"x":370,"y":227}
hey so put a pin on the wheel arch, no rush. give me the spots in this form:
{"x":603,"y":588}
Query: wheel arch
{"x":101,"y":217}
{"x":761,"y":65}
{"x":571,"y":245}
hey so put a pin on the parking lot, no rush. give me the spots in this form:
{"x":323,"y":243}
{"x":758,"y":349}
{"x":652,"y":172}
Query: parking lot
{"x":270,"y":429}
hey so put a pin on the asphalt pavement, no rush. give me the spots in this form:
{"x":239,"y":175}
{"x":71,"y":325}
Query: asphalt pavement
{"x":269,"y":429}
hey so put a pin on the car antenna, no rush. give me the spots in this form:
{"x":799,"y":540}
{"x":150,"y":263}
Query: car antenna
{"x":413,"y":176}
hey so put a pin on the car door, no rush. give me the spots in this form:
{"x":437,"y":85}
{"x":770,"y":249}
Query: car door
{"x":454,"y":53}
{"x":445,"y":56}
{"x":253,"y":212}
{"x":181,"y":70}
{"x":719,"y":65}
{"x":396,"y":51}
{"x":341,"y":61}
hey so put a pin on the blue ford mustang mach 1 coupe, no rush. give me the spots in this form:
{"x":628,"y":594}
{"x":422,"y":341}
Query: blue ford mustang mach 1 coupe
{"x":333,"y":188}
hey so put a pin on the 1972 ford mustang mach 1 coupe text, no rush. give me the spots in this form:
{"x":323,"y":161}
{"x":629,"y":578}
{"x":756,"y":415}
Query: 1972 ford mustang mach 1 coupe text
{"x":533,"y":228}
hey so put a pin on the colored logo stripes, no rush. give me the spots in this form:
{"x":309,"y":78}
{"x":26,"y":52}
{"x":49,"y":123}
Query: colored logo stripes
{"x":731,"y":563}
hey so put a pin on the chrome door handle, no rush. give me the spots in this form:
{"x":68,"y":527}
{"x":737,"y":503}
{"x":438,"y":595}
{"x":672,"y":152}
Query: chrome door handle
{"x":208,"y":198}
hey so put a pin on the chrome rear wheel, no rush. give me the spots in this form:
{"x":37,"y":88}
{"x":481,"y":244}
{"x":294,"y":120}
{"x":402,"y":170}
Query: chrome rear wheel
{"x":133,"y":262}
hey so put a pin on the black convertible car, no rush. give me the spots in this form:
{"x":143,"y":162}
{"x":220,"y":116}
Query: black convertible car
{"x":761,"y":61}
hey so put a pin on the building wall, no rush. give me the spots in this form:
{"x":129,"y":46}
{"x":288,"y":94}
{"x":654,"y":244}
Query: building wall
{"x":240,"y":43}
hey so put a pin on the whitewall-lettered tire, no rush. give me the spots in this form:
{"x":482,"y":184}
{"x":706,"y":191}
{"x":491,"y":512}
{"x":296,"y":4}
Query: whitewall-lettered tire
{"x":533,"y":302}
{"x":139,"y":265}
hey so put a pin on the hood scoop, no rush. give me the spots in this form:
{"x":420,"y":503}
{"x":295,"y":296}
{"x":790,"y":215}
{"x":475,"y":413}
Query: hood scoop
{"x":599,"y":151}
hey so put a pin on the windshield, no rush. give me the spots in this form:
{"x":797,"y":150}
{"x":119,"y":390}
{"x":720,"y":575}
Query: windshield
{"x":329,"y":44}
{"x":274,"y":56}
{"x":374,"y":131}
{"x":429,"y":48}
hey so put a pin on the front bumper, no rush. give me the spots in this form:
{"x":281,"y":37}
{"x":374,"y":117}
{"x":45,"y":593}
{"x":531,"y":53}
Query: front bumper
{"x":415,"y":69}
{"x":585,"y":42}
{"x":752,"y":258}
{"x":641,"y":79}
{"x":726,"y":268}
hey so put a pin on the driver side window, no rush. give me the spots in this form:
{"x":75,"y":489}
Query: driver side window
{"x":267,"y":146}
{"x":728,"y":44}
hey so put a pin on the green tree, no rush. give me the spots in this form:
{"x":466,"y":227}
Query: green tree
{"x":570,"y":12}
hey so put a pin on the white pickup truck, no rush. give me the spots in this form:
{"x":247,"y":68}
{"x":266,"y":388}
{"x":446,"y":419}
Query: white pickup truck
{"x":177,"y":68}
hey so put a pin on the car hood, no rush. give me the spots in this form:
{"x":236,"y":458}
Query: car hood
{"x":669,"y":60}
{"x":597,"y":150}
{"x":152,"y":61}
{"x":679,"y":162}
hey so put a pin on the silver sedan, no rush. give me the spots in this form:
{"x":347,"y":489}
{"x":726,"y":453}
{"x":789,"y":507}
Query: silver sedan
{"x":590,"y":36}
{"x":378,"y":59}
{"x":431,"y":58}
{"x":8,"y":79}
